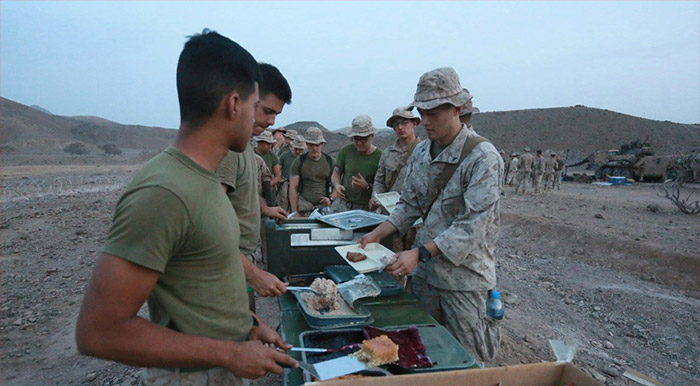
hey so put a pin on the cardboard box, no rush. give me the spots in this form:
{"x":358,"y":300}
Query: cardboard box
{"x":536,"y":374}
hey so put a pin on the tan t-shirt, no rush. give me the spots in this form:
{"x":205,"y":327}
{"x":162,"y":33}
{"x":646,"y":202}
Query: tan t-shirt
{"x":239,"y":172}
{"x":174,"y":218}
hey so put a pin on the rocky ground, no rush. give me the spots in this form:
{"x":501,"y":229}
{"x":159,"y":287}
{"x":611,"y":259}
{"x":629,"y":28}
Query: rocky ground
{"x":614,"y":269}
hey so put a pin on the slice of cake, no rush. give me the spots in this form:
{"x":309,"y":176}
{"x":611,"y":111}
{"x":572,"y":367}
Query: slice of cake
{"x":378,"y":351}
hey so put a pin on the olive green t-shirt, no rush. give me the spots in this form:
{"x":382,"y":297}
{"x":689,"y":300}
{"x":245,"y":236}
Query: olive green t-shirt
{"x":240,"y":172}
{"x":270,"y":158}
{"x":174,"y":218}
{"x":312,"y":177}
{"x":350,"y":163}
{"x":285,"y":148}
{"x":286,"y":160}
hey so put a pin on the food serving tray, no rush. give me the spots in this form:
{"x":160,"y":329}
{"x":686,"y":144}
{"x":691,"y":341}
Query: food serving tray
{"x":325,"y":321}
{"x":353,"y":219}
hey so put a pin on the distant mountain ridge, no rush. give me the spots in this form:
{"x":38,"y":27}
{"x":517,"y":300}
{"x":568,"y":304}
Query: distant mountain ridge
{"x":27,"y":130}
{"x":581,"y":129}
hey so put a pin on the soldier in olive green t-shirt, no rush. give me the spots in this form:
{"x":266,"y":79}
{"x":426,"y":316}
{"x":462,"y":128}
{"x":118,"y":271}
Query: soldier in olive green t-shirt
{"x":355,"y":167}
{"x":174,"y":214}
{"x":313,"y":177}
{"x":238,"y":173}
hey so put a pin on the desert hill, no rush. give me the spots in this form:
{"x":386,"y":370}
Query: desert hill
{"x":580,"y":129}
{"x":27,"y":130}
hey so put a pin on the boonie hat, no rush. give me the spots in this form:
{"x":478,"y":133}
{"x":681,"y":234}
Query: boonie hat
{"x":298,"y":142}
{"x":468,"y":108}
{"x":265,"y":136}
{"x":314,"y":135}
{"x":527,"y":148}
{"x":401,"y":112}
{"x":362,"y":126}
{"x":438,"y":87}
{"x":291,"y":134}
{"x":281,"y":128}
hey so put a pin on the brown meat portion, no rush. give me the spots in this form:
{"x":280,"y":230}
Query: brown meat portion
{"x":356,"y":256}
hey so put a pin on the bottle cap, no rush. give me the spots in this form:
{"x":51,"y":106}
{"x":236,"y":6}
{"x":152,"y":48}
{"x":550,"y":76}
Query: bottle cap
{"x":495,"y":294}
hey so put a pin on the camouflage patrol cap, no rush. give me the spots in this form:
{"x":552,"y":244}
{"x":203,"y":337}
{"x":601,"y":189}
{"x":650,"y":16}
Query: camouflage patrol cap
{"x":401,"y":112}
{"x":291,"y":134}
{"x":468,"y":108}
{"x":362,"y":126}
{"x":281,"y":128}
{"x":265,"y":136}
{"x":438,"y":87}
{"x":527,"y":148}
{"x":314,"y":135}
{"x":298,"y":142}
{"x":513,"y":155}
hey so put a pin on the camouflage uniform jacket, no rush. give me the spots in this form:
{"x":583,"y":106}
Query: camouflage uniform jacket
{"x":538,"y":165}
{"x":549,"y":165}
{"x":264,"y":173}
{"x":464,"y":220}
{"x":526,"y":161}
{"x":392,"y":168}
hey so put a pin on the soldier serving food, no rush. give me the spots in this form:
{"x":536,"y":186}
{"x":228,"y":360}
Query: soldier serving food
{"x":454,"y":184}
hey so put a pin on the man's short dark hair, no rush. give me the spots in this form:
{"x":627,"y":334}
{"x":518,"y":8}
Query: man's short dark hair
{"x":272,"y":81}
{"x":211,"y":66}
{"x":539,"y":151}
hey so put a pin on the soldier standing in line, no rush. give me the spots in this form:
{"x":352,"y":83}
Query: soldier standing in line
{"x":513,"y":168}
{"x":558,"y":169}
{"x":524,"y":169}
{"x":454,"y":185}
{"x":288,"y":138}
{"x":391,"y":172}
{"x":298,"y":146}
{"x":265,"y":141}
{"x":278,"y":135}
{"x":549,"y":165}
{"x":310,"y":176}
{"x":355,"y":167}
{"x":537,"y":171}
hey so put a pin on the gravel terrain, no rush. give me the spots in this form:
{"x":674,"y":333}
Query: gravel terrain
{"x":592,"y":265}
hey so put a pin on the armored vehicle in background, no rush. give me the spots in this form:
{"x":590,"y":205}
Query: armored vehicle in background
{"x":635,"y":160}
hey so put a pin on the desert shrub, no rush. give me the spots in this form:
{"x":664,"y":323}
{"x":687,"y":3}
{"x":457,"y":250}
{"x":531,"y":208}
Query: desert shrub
{"x":110,"y":148}
{"x":76,"y":148}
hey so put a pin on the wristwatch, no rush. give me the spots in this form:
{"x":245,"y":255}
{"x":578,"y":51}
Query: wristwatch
{"x":423,"y":254}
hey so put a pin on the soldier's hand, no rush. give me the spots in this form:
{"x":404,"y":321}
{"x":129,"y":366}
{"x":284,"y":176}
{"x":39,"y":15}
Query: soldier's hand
{"x":406,"y":262}
{"x":275,"y":212}
{"x":253,"y":359}
{"x":267,"y":284}
{"x":325,"y":201}
{"x":373,"y":204}
{"x":359,"y":182}
{"x":368,"y":238}
{"x":339,"y":191}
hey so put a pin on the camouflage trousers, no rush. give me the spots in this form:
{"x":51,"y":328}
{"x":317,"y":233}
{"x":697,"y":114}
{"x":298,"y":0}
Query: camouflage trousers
{"x":339,"y":205}
{"x":463,"y":313}
{"x":548,"y":179}
{"x":557,"y":180}
{"x":304,"y":207}
{"x":510,"y":177}
{"x":521,"y":180}
{"x":283,"y":195}
{"x":177,"y":377}
{"x":536,"y":181}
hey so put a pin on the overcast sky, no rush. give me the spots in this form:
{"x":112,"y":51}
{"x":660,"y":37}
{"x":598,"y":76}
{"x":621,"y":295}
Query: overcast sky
{"x":117,"y":60}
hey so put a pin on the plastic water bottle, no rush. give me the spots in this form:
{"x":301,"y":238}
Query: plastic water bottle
{"x":494,"y":306}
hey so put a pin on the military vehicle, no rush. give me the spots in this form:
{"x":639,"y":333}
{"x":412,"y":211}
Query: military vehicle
{"x":635,"y":160}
